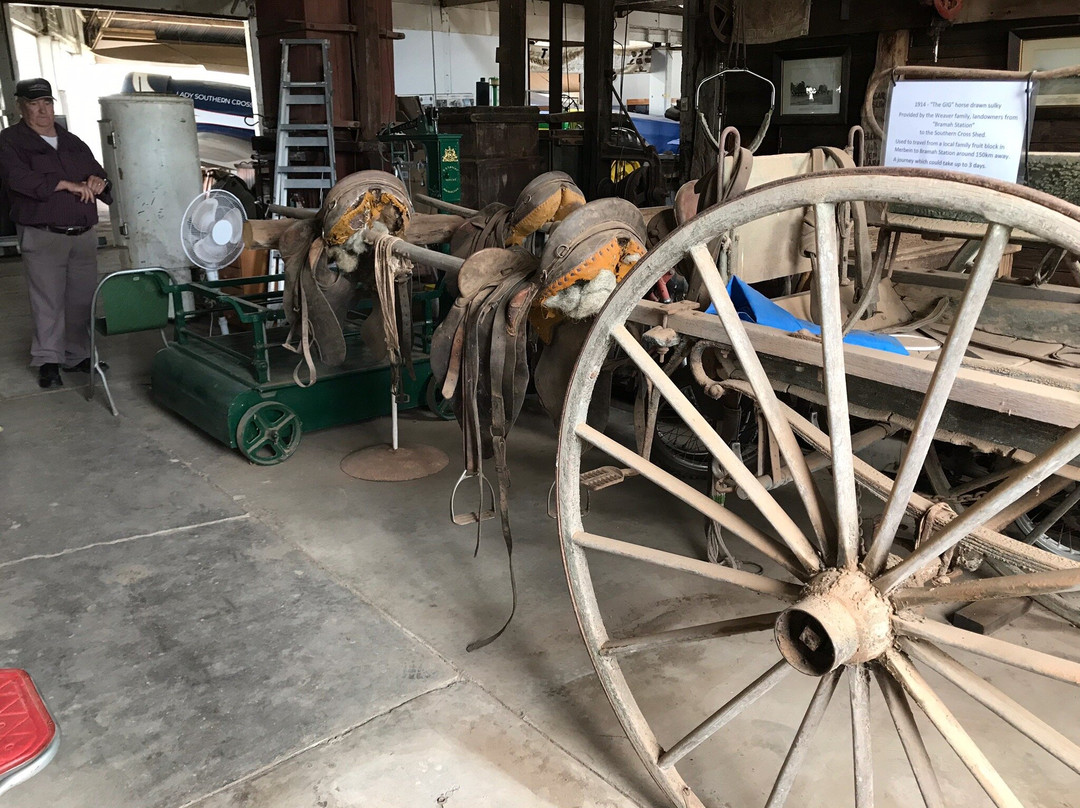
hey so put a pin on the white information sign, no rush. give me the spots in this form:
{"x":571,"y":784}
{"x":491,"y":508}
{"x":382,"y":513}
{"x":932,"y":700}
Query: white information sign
{"x":973,"y":126}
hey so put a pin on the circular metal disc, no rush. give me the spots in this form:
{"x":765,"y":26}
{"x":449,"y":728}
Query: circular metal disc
{"x":381,"y":463}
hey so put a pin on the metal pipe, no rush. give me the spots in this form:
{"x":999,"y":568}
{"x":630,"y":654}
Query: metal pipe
{"x":421,"y":255}
{"x":431,"y":201}
{"x":293,"y":213}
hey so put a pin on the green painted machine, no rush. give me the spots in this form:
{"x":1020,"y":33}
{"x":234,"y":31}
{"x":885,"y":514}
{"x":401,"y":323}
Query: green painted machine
{"x":442,"y":155}
{"x":244,"y":388}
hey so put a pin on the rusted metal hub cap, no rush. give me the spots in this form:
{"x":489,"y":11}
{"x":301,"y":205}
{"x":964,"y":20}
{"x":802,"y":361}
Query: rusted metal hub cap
{"x":841,"y":619}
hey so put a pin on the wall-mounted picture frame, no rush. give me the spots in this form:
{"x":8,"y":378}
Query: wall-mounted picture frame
{"x":1048,"y":49}
{"x":812,"y":85}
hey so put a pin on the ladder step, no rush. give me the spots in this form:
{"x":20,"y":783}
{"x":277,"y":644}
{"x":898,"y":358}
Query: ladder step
{"x":288,"y":85}
{"x":290,"y":141}
{"x":301,"y":99}
{"x":304,"y":127}
{"x":294,"y":184}
{"x":304,"y":169}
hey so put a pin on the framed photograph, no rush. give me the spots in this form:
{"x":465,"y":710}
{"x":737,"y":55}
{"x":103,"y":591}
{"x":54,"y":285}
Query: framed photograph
{"x":812,"y":85}
{"x":1047,"y":49}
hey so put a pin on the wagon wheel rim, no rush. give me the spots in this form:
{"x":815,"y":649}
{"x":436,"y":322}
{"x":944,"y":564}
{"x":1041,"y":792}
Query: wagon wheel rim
{"x":268,"y":433}
{"x":886,"y":634}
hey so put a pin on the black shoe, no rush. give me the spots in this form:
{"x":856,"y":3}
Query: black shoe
{"x":49,"y":376}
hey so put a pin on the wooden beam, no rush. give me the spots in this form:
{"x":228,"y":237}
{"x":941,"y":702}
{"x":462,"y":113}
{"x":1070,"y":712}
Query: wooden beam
{"x":703,"y":56}
{"x":1038,"y":402}
{"x":513,"y":53}
{"x":555,"y":56}
{"x":599,"y":57}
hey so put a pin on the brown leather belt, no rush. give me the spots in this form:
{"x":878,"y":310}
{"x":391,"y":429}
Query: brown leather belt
{"x":63,"y":231}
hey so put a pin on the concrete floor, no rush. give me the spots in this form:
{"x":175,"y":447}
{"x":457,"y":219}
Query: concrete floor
{"x":209,"y":632}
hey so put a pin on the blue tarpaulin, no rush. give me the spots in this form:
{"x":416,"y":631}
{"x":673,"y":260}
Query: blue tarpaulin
{"x":754,"y":307}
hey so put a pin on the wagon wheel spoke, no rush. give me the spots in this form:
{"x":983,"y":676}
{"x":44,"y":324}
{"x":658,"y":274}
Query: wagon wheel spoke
{"x":805,"y":735}
{"x":1020,"y":718}
{"x":1022,"y":480}
{"x":1027,"y":659}
{"x":765,"y":395}
{"x":970,"y":754}
{"x":859,"y":694}
{"x":673,"y":561}
{"x":706,"y":631}
{"x":835,"y":383}
{"x":784,"y":525}
{"x":694,"y":498}
{"x":734,"y":707}
{"x":937,"y":394}
{"x":1006,"y":586}
{"x":911,"y":739}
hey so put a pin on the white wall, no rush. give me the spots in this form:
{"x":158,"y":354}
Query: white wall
{"x":466,"y":38}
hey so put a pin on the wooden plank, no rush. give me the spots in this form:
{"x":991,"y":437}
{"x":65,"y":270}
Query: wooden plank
{"x":1038,"y":402}
{"x":1048,"y":292}
{"x":987,"y":616}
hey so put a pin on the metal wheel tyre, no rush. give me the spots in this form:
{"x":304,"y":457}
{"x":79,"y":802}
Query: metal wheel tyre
{"x":268,"y":433}
{"x":839,"y":608}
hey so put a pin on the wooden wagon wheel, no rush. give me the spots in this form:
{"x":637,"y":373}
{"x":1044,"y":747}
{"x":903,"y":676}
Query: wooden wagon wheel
{"x":844,"y":603}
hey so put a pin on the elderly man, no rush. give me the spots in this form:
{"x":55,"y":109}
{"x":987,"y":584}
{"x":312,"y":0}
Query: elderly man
{"x":52,"y":181}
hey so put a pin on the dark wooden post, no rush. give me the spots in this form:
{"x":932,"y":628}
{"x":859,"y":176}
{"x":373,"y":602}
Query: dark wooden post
{"x":555,"y":56}
{"x":702,"y":56}
{"x":599,"y":57}
{"x":513,"y":53}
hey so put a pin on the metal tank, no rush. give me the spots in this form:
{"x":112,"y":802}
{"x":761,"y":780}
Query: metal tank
{"x":151,"y":153}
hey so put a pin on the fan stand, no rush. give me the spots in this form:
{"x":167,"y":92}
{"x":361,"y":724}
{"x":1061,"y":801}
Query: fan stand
{"x":394,"y":463}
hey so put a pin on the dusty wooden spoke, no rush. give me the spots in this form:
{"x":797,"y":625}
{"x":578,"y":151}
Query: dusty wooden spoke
{"x":1027,"y":659}
{"x":765,"y":395}
{"x":705,"y":569}
{"x":1005,"y":586}
{"x":784,"y":525}
{"x":835,"y":383}
{"x":694,"y":498}
{"x":621,"y":646}
{"x":1023,"y":479}
{"x":859,"y":695}
{"x":803,"y":738}
{"x":982,"y":539}
{"x":950,"y":729}
{"x":736,"y":706}
{"x":937,"y":394}
{"x":911,"y":738}
{"x":993,"y":699}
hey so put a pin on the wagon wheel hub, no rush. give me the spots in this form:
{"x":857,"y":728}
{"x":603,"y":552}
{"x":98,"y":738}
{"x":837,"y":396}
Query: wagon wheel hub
{"x":842,"y":619}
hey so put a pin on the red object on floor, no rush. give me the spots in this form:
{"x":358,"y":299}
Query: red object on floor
{"x":26,"y":728}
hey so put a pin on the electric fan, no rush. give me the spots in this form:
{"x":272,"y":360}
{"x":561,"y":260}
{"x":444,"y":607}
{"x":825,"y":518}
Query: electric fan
{"x":212,"y":230}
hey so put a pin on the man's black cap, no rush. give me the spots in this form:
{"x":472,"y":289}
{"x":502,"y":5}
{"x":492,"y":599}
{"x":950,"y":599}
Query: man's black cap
{"x":32,"y":89}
